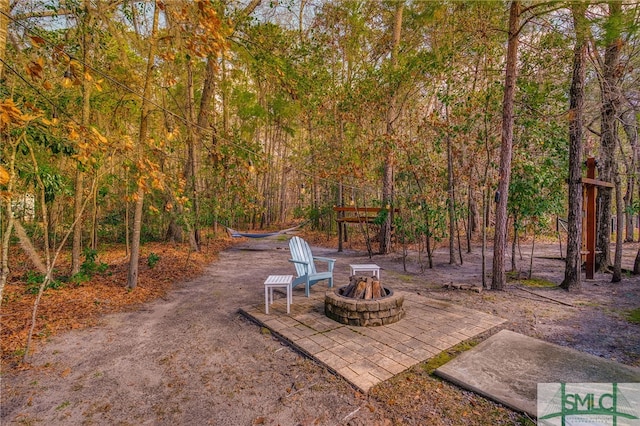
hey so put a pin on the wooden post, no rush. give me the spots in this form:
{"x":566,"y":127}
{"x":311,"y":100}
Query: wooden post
{"x":590,"y":202}
{"x":590,"y":184}
{"x":340,"y":214}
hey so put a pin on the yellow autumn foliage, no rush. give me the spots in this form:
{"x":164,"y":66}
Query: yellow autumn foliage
{"x":10,"y":114}
{"x":4,"y":176}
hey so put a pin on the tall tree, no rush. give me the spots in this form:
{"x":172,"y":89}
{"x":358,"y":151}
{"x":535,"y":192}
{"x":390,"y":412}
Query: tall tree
{"x":132,"y":277}
{"x":87,"y":41}
{"x":609,"y":115}
{"x":630,"y":126}
{"x":498,"y":280}
{"x":573,"y":262}
{"x":193,"y":159}
{"x":4,"y":23}
{"x":392,"y":115}
{"x":451,"y":199}
{"x":207,"y":43}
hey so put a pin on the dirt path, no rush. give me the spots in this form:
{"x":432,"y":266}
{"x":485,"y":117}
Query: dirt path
{"x":190,"y":359}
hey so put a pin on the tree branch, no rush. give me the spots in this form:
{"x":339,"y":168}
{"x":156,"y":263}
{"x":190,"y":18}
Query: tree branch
{"x":536,"y":5}
{"x":535,"y":15}
{"x":41,"y":14}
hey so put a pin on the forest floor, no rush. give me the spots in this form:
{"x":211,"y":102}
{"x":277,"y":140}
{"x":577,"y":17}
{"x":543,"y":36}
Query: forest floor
{"x":176,"y":351}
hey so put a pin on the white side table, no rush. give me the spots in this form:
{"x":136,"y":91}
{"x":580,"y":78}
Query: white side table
{"x":369,"y":267}
{"x":277,"y":281}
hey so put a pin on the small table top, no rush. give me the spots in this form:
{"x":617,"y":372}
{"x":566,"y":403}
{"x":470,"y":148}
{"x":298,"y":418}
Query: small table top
{"x":279,"y":279}
{"x":366,"y":266}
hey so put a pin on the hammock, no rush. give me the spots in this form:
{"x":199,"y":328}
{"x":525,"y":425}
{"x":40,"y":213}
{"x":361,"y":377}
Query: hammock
{"x":237,"y":234}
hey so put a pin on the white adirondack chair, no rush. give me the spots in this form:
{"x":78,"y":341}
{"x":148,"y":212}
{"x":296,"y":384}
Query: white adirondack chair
{"x":304,"y":262}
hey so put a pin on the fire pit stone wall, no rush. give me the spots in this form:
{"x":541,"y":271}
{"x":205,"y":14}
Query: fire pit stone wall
{"x":364,"y":312}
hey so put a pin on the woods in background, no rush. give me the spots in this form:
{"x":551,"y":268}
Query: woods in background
{"x":133,"y":121}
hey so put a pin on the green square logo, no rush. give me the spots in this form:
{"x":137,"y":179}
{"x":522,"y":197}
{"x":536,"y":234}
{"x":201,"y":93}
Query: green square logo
{"x":589,"y":404}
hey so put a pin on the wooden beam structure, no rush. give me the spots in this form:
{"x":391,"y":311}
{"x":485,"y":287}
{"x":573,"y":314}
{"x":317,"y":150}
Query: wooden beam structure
{"x":354,"y":214}
{"x":590,"y":185}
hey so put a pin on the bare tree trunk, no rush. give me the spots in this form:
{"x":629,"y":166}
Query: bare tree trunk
{"x":573,"y":261}
{"x":283,"y":188}
{"x":389,"y":163}
{"x":630,"y":126}
{"x":76,"y":247}
{"x":632,"y":133}
{"x":499,"y":241}
{"x":451,"y":200}
{"x":94,"y":222}
{"x":486,"y":196}
{"x":132,"y":278}
{"x":4,"y":24}
{"x":127,"y":225}
{"x":617,"y":263}
{"x":208,"y":94}
{"x":533,"y":247}
{"x":225,"y":98}
{"x":425,"y":211}
{"x":53,"y":221}
{"x":514,"y":242}
{"x":609,"y":86}
{"x":6,"y":233}
{"x":45,"y":215}
{"x":174,"y":231}
{"x":458,"y":234}
{"x":472,"y":219}
{"x":485,"y":221}
{"x":428,"y":237}
{"x":191,"y":168}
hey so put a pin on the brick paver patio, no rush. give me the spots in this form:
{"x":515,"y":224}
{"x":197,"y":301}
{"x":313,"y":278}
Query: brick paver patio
{"x":366,"y":356}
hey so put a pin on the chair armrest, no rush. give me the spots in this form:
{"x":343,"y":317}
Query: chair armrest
{"x":329,"y":261}
{"x":301,"y":262}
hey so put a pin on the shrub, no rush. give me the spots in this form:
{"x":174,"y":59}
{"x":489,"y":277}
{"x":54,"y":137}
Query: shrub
{"x":34,"y":280}
{"x":152,"y":259}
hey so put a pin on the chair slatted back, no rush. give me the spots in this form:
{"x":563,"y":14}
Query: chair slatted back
{"x":301,"y":251}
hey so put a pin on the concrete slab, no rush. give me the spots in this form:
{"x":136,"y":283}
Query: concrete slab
{"x":508,"y":366}
{"x":366,"y":356}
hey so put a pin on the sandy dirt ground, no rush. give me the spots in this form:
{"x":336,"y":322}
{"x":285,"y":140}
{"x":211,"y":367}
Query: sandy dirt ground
{"x":191,"y":359}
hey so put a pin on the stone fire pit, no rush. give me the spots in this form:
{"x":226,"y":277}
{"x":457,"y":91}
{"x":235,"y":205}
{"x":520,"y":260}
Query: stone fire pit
{"x":364,"y":312}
